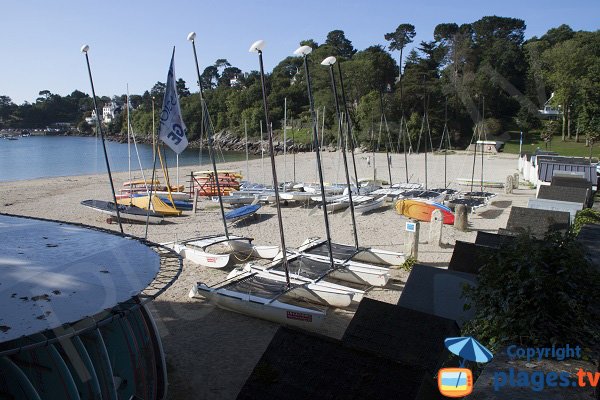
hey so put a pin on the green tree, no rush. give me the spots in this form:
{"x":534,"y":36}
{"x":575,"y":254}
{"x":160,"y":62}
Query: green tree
{"x":403,"y":35}
{"x":182,"y":90}
{"x":341,"y":45}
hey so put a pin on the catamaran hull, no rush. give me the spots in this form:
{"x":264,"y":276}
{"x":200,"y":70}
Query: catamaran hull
{"x":248,"y":249}
{"x":200,"y":257}
{"x":367,"y":255}
{"x":323,"y":294}
{"x":274,"y":311}
{"x":370,"y":205}
{"x":477,"y":183}
{"x":356,"y":294}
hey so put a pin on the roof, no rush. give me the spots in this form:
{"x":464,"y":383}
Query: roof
{"x":564,"y":193}
{"x":491,"y":239}
{"x":407,"y":336}
{"x":55,"y":273}
{"x":589,"y":237}
{"x":546,"y":171}
{"x":571,"y":181}
{"x":300,"y":365}
{"x":437,"y":291}
{"x":539,"y":222}
{"x":562,"y":159}
{"x":469,"y":257}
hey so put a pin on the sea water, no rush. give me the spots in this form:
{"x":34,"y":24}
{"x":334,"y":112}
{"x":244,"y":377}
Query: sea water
{"x":47,"y":156}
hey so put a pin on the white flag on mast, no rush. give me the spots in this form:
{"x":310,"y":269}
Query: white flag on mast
{"x":172,"y":129}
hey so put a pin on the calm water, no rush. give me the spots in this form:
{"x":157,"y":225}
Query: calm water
{"x":46,"y":156}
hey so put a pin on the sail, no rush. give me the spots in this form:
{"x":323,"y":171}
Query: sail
{"x":172,"y":129}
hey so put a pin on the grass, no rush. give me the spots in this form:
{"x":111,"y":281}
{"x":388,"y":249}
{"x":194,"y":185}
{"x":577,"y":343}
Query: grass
{"x":532,"y":141}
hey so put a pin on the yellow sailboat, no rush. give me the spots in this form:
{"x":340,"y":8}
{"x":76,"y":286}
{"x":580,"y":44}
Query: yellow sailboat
{"x":156,"y":205}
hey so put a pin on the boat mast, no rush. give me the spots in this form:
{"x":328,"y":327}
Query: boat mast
{"x":444,"y":133}
{"x":206,"y":122}
{"x":330,"y":61}
{"x":257,"y":47}
{"x":304,"y":51}
{"x":247,"y":165}
{"x":262,"y":153}
{"x":84,"y":50}
{"x":284,"y":142}
{"x":482,"y":133}
{"x":129,"y":144}
{"x":475,"y":133}
{"x":349,"y":127}
{"x":387,"y":150}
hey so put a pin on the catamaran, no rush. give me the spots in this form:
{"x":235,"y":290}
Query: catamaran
{"x":314,"y":247}
{"x":196,"y":249}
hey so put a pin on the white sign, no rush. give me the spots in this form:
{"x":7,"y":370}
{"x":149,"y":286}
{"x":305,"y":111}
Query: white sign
{"x":411,"y":227}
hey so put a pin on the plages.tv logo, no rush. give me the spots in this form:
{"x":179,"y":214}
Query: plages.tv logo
{"x":458,"y":382}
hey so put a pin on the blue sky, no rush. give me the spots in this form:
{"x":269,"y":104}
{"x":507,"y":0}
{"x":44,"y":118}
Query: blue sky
{"x":131,"y":41}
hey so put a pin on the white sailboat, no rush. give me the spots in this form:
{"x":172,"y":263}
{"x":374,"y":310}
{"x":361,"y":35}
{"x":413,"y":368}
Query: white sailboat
{"x":324,"y":247}
{"x":263,"y":298}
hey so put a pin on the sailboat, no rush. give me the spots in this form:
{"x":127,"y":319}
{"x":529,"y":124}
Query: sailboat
{"x":196,"y":249}
{"x":476,"y":199}
{"x":341,"y":253}
{"x":262,"y":294}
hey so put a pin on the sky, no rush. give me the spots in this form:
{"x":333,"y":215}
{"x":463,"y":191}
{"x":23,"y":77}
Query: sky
{"x":131,"y":41}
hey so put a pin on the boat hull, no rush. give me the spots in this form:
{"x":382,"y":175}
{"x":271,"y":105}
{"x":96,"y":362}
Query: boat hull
{"x":422,"y":211}
{"x":274,"y":311}
{"x":366,"y":255}
{"x":126,"y":213}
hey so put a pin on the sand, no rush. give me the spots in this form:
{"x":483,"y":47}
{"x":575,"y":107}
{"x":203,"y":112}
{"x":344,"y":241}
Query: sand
{"x":211,"y":352}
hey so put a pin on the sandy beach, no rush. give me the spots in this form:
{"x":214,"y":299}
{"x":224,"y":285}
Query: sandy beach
{"x":211,"y":352}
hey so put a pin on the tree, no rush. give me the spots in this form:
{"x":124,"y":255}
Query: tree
{"x":158,"y":91}
{"x":559,"y":34}
{"x":182,"y":90}
{"x":341,"y":45}
{"x":309,"y":42}
{"x":210,"y":77}
{"x":228,"y":74}
{"x":403,"y":35}
{"x":550,"y":129}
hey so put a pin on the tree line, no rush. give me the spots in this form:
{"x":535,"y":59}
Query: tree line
{"x":482,"y":73}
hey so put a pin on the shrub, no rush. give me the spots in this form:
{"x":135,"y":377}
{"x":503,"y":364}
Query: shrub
{"x":536,"y":293}
{"x":585,"y":216}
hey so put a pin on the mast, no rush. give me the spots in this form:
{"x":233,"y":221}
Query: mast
{"x":284,"y":143}
{"x":444,"y":133}
{"x":262,"y":153}
{"x":304,"y":51}
{"x":257,"y":47}
{"x":330,"y":61}
{"x":247,"y":165}
{"x":349,"y":127}
{"x":294,"y":152}
{"x":482,"y":133}
{"x":129,"y":144}
{"x":475,"y":133}
{"x":191,"y":37}
{"x":84,"y":50}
